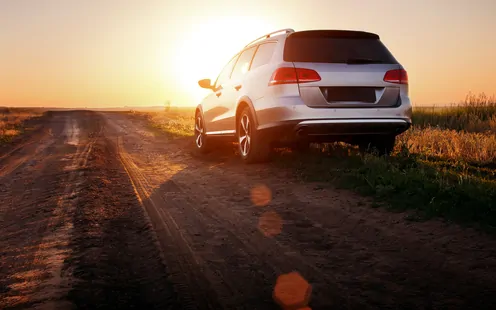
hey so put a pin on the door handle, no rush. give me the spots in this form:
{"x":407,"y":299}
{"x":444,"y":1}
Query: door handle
{"x":218,"y":93}
{"x":237,"y":87}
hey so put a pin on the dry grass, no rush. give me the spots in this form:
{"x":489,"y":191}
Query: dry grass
{"x":12,"y":122}
{"x":177,"y":122}
{"x":477,"y":113}
{"x":448,"y":144}
{"x":464,"y":132}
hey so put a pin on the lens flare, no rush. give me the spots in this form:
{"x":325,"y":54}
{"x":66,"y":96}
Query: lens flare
{"x":261,"y":195}
{"x":292,"y":291}
{"x":270,"y":224}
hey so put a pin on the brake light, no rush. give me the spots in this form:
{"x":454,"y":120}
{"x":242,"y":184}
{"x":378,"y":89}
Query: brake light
{"x":398,"y":76}
{"x":289,"y":75}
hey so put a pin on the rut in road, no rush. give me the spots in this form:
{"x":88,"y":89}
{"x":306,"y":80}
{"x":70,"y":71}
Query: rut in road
{"x":36,"y":224}
{"x":354,"y":256}
{"x":48,"y":225}
{"x":245,"y":260}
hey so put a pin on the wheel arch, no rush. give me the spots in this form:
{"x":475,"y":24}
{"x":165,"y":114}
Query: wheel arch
{"x":199,"y":109}
{"x":242,"y":103}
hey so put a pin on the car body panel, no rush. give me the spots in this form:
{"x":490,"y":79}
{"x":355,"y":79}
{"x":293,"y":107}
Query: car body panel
{"x":306,"y":104}
{"x":216,"y":105}
{"x":337,"y":76}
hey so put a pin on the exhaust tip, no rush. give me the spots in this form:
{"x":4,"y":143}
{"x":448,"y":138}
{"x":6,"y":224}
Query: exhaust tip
{"x":302,"y":132}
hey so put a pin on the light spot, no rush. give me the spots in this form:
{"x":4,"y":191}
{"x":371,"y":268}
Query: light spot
{"x":292,"y":291}
{"x":244,"y":68}
{"x":261,"y":195}
{"x":72,"y":132}
{"x":270,"y":224}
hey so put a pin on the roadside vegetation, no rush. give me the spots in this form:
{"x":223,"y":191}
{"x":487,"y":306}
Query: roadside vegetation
{"x":176,"y":122}
{"x":13,"y":122}
{"x":444,"y":166}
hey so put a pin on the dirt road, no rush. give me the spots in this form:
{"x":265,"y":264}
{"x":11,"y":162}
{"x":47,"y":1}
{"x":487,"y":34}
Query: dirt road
{"x":97,"y":212}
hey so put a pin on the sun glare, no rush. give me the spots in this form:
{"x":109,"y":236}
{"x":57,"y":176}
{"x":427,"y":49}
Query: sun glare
{"x":208,"y":46}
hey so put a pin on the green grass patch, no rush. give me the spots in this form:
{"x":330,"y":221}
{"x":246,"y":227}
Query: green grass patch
{"x":434,"y":188}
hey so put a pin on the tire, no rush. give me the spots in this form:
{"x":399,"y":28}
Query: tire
{"x":201,"y":141}
{"x":381,"y":145}
{"x":253,"y":147}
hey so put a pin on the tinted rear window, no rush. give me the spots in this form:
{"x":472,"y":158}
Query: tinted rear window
{"x":335,"y":50}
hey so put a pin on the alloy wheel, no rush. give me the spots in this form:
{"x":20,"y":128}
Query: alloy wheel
{"x":199,"y":132}
{"x":245,"y":135}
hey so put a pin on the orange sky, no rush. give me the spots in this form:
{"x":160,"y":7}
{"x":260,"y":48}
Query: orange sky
{"x":96,"y":53}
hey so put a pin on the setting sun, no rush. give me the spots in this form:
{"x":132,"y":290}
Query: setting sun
{"x":207,"y":46}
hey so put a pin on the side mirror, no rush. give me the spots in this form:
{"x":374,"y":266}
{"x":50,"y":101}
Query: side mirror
{"x":205,"y":83}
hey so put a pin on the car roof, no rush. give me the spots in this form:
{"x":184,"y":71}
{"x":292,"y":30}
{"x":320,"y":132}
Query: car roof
{"x":328,"y":33}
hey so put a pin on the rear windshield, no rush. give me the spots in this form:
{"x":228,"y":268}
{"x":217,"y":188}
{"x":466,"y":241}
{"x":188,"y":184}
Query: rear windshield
{"x":336,"y":50}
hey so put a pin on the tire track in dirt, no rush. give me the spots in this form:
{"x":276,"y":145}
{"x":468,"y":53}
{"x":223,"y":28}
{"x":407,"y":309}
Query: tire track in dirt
{"x":4,"y":169}
{"x":115,"y":262}
{"x":59,"y":227}
{"x":268,"y":255}
{"x":248,"y":249}
{"x":40,"y":280}
{"x":184,"y":263}
{"x":271,"y":256}
{"x":48,"y":226}
{"x":9,"y":163}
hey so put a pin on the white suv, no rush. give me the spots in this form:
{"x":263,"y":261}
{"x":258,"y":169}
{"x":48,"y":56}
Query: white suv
{"x":294,"y":88}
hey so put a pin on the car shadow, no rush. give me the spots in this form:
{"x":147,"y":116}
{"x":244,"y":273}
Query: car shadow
{"x":213,"y":200}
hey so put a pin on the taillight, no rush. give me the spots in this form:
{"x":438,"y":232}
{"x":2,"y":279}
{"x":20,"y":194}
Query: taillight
{"x":398,"y":76}
{"x":289,"y":75}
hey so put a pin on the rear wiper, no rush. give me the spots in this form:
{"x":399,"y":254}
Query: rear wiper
{"x":352,"y":61}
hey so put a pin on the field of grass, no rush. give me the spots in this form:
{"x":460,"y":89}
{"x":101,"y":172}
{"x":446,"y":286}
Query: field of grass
{"x":462,"y":133}
{"x":12,"y":122}
{"x":444,"y":166}
{"x":177,"y":122}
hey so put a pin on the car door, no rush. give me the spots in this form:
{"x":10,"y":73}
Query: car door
{"x":213,"y":108}
{"x":233,"y":90}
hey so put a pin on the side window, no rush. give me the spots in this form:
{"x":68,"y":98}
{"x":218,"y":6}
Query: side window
{"x":225,"y":73}
{"x":263,"y":55}
{"x":243,"y":64}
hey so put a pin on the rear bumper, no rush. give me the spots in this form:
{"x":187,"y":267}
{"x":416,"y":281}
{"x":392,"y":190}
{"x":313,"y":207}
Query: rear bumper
{"x":351,"y":127}
{"x":288,"y":117}
{"x":271,"y":111}
{"x":329,"y":130}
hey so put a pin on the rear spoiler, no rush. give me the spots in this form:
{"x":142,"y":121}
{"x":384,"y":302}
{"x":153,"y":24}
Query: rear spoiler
{"x":335,"y":34}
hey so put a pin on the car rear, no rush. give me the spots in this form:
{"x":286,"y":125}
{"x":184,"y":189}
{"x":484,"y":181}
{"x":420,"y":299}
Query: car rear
{"x":348,"y":83}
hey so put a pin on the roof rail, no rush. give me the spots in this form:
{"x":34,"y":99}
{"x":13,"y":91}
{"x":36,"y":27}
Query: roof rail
{"x":287,"y":30}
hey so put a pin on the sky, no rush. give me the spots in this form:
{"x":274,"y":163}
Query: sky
{"x":111,"y":53}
